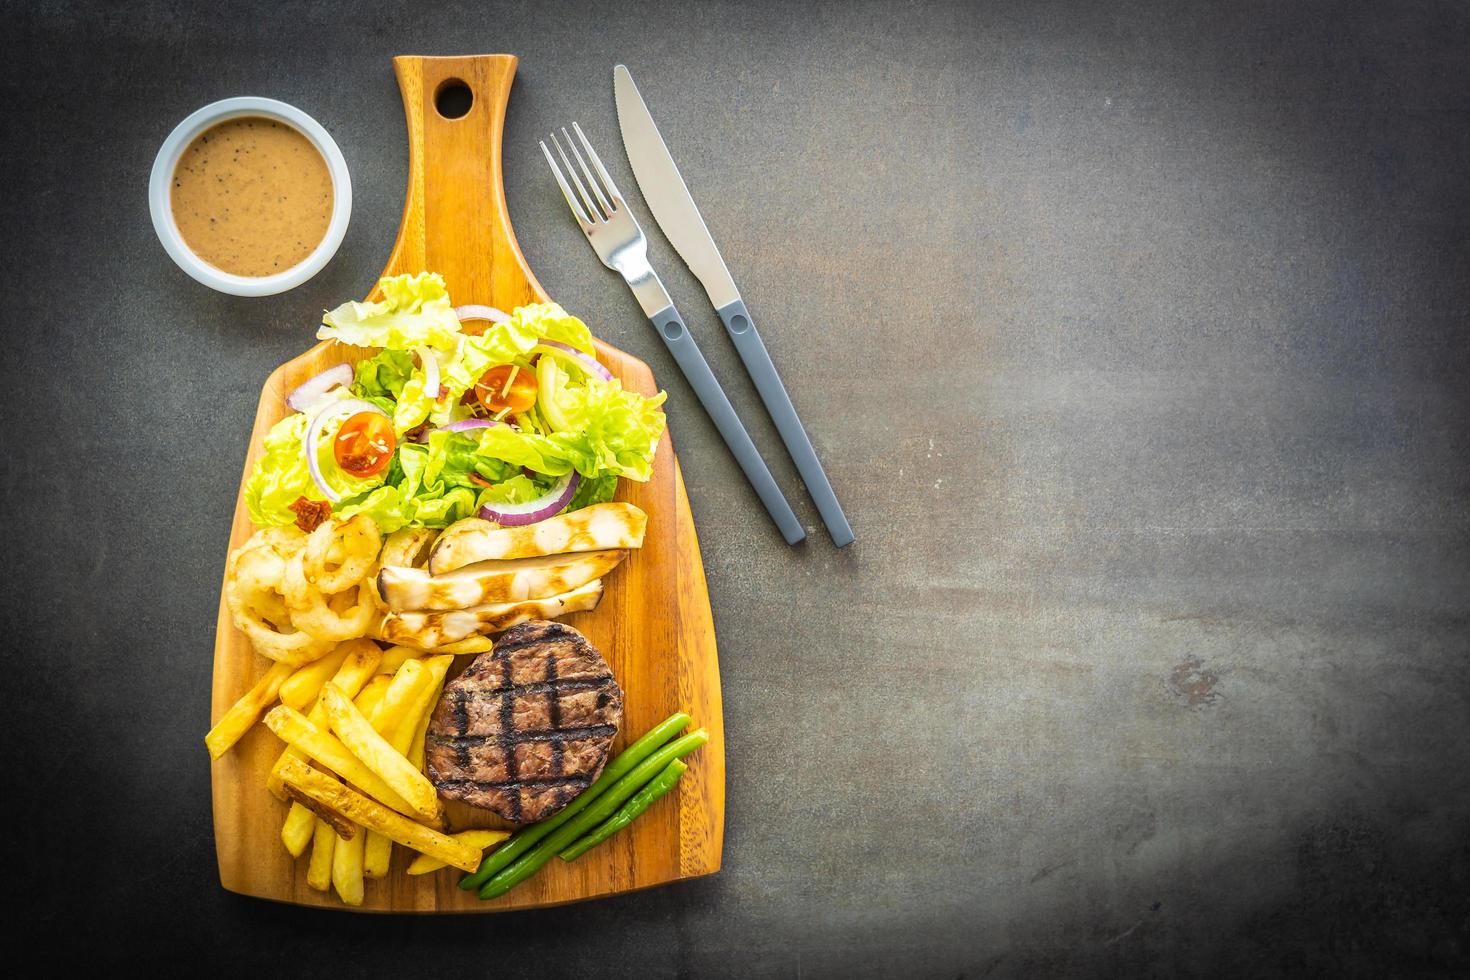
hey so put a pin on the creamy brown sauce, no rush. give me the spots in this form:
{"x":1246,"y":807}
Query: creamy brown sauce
{"x":252,"y":196}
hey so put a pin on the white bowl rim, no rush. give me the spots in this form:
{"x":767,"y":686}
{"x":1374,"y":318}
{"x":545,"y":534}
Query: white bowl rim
{"x":160,"y":204}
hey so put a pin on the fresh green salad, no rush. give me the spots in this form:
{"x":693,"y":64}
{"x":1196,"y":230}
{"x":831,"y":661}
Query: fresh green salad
{"x":515,"y":423}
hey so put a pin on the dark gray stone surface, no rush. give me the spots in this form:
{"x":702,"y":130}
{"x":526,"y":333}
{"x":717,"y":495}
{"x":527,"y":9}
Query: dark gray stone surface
{"x":1134,"y":338}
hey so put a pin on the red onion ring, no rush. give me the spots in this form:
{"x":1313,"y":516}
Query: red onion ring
{"x":477,"y":312}
{"x":464,"y":425}
{"x":586,"y":363}
{"x":314,"y":431}
{"x":547,"y":505}
{"x":310,"y":391}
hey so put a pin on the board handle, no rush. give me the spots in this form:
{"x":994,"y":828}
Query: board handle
{"x":455,"y":221}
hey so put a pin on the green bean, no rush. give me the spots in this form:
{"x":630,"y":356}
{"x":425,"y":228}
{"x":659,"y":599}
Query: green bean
{"x":524,"y":839}
{"x":602,"y":808}
{"x":628,"y":812}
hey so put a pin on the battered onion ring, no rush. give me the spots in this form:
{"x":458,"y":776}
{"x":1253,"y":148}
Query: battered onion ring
{"x":324,"y":616}
{"x":285,"y":541}
{"x":352,"y":545}
{"x":258,"y":609}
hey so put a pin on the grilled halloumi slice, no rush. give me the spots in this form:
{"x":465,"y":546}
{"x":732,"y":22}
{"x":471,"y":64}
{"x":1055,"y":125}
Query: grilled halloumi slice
{"x":427,"y":630}
{"x":600,"y":527}
{"x":407,"y":589}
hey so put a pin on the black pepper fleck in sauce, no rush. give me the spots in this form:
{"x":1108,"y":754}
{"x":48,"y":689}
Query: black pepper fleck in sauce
{"x":250,"y":199}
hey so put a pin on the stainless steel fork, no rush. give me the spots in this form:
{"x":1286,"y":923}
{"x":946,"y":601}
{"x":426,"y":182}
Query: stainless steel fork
{"x":617,"y":238}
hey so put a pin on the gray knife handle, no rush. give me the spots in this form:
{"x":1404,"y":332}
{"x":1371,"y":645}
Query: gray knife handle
{"x":677,"y":339}
{"x":758,"y":363}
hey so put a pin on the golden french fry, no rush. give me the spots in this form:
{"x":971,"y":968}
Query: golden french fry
{"x":363,"y":811}
{"x":480,"y":839}
{"x":368,"y":698}
{"x":398,"y":696}
{"x":402,"y":695}
{"x":416,"y":741}
{"x":374,"y":752}
{"x":344,"y":829}
{"x":422,"y":728}
{"x":293,"y":727}
{"x":323,"y":843}
{"x":347,"y":869}
{"x":473,"y":644}
{"x":301,"y":688}
{"x":233,"y":724}
{"x":378,"y":854}
{"x":296,"y":832}
{"x":355,"y":671}
{"x":393,"y":658}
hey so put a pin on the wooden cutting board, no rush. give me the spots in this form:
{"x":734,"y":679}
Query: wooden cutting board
{"x":653,"y":624}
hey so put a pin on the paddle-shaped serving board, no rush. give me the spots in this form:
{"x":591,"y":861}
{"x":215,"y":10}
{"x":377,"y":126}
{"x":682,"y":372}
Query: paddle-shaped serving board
{"x":654,"y":622}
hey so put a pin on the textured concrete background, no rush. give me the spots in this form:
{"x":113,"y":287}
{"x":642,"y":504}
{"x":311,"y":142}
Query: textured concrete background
{"x":1133,"y":335}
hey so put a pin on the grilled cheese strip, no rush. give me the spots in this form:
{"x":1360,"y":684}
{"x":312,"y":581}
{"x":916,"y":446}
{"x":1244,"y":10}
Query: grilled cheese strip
{"x":429,"y":630}
{"x":600,"y":527}
{"x":409,"y":589}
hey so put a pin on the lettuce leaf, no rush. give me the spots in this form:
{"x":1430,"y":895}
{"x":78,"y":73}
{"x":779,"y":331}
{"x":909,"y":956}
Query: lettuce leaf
{"x":584,"y":424}
{"x":414,"y":312}
{"x":593,"y":490}
{"x":281,"y":476}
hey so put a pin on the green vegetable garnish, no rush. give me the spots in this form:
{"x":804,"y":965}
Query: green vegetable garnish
{"x":586,"y":424}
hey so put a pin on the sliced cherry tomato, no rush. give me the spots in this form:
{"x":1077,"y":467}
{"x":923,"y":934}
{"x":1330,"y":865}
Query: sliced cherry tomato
{"x":364,"y":444}
{"x":494,"y":395}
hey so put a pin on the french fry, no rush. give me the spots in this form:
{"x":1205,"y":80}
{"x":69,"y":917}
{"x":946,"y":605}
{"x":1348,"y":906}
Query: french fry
{"x":301,"y":688}
{"x":368,"y":698}
{"x":347,"y":869}
{"x":386,"y":717}
{"x":297,"y":830}
{"x":416,"y":741}
{"x":293,"y":727}
{"x":394,"y":657}
{"x":479,"y":839}
{"x":244,"y":713}
{"x":473,"y":644}
{"x":376,"y":754}
{"x":357,"y":668}
{"x":323,"y":843}
{"x":400,"y":694}
{"x":374,"y":816}
{"x":378,"y":854}
{"x":343,"y":828}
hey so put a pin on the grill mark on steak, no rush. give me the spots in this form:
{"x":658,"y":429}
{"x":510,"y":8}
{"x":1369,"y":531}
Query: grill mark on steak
{"x":560,"y":737}
{"x":565,"y":686}
{"x":507,"y":725}
{"x":558,"y":708}
{"x":553,"y":712}
{"x":548,"y":782}
{"x":462,"y":719}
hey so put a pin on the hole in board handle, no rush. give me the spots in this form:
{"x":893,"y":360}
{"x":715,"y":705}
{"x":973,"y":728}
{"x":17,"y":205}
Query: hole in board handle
{"x":453,"y":99}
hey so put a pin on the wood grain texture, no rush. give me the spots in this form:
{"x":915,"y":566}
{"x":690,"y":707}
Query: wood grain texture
{"x":654,"y":623}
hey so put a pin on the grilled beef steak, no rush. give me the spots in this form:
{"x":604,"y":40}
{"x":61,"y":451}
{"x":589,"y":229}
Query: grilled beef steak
{"x":527,"y":726}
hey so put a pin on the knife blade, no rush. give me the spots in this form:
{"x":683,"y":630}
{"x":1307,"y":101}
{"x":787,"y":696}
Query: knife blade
{"x":668,"y":198}
{"x":678,"y":216}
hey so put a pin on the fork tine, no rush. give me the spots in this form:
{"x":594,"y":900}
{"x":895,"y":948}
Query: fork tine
{"x":566,"y":191}
{"x":592,"y":209}
{"x":612,"y":189}
{"x":596,"y":187}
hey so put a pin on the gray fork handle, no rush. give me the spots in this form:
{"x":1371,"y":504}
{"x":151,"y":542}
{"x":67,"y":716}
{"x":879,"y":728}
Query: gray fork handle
{"x":686,"y":353}
{"x":758,"y":363}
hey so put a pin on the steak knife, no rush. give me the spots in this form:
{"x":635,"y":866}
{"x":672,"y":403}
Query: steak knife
{"x":676,"y":213}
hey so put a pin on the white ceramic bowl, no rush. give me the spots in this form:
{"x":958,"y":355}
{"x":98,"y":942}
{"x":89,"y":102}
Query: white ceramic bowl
{"x":168,"y":231}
